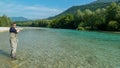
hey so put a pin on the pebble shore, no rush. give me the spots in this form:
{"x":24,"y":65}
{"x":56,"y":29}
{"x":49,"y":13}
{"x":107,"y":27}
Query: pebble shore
{"x":3,"y":29}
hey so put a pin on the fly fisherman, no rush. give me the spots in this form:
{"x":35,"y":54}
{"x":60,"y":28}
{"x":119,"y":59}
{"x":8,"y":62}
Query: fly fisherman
{"x":13,"y":40}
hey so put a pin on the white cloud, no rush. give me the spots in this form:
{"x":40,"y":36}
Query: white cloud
{"x":32,"y":12}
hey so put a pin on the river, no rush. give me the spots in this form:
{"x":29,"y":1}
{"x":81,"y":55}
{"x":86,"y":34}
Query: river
{"x":60,"y":48}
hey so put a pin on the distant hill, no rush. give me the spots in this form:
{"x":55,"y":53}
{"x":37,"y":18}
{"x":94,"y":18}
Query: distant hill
{"x":19,"y":19}
{"x":92,"y":6}
{"x":107,"y":1}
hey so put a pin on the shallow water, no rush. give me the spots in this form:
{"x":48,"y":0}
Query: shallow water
{"x":58,"y":48}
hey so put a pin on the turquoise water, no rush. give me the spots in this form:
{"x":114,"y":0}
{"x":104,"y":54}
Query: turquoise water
{"x":59,"y":48}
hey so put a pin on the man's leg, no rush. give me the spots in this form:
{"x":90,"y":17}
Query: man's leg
{"x":13,"y":44}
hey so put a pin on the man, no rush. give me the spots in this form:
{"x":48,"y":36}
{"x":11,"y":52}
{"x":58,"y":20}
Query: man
{"x":13,"y":40}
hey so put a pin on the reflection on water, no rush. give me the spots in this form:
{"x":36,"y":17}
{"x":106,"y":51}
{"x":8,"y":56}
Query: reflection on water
{"x":58,"y":48}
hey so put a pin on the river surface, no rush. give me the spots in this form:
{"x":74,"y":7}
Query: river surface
{"x":59,"y":48}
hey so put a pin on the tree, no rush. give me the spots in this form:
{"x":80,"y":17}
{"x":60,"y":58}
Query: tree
{"x":117,"y":13}
{"x":99,"y":19}
{"x":88,"y":19}
{"x":113,"y":26}
{"x":5,"y":21}
{"x":111,"y":12}
{"x":64,"y":22}
{"x":107,"y":18}
{"x":78,"y":18}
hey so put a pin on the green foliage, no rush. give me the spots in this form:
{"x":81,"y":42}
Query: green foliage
{"x":91,"y":6}
{"x":24,"y":23}
{"x":88,"y":18}
{"x":113,"y":25}
{"x":40,"y":23}
{"x":34,"y":23}
{"x":111,"y":12}
{"x":81,"y":28}
{"x":107,"y":18}
{"x":63,"y":22}
{"x":5,"y":21}
{"x":100,"y":19}
{"x":78,"y":17}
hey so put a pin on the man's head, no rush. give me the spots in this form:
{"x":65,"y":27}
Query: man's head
{"x":13,"y":25}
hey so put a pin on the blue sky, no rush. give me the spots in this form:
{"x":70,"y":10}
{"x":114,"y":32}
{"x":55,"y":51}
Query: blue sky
{"x":37,"y":9}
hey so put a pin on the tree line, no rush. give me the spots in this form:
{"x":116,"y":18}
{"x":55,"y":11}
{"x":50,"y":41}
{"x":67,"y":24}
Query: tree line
{"x":106,"y":19}
{"x":34,"y":23}
{"x":5,"y":21}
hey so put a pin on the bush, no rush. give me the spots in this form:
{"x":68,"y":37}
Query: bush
{"x":113,"y":26}
{"x":81,"y":28}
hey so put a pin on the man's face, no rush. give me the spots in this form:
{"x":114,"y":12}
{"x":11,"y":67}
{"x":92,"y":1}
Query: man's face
{"x":14,"y":25}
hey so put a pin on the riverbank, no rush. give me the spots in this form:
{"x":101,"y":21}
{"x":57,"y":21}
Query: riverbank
{"x":3,"y":29}
{"x":115,"y":32}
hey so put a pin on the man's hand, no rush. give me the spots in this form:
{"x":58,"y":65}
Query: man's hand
{"x":18,"y":30}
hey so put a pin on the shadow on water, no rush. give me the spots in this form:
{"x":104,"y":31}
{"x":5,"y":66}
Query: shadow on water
{"x":4,"y":53}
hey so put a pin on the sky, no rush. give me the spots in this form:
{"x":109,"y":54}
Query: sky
{"x":37,"y":9}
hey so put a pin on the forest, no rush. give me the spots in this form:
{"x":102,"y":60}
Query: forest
{"x":105,"y":19}
{"x":5,"y":21}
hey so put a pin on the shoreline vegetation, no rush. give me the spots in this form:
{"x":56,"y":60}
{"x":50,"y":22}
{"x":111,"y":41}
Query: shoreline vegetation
{"x":102,"y":19}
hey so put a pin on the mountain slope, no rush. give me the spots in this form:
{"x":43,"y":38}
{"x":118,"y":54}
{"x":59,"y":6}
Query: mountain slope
{"x":19,"y":19}
{"x":92,"y":6}
{"x":107,"y":1}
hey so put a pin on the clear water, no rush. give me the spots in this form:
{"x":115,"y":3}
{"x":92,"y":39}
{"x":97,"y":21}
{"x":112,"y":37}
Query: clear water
{"x":58,"y":48}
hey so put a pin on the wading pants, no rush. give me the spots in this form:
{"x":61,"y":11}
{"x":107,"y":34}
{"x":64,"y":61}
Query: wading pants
{"x":13,"y":44}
